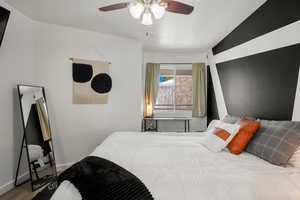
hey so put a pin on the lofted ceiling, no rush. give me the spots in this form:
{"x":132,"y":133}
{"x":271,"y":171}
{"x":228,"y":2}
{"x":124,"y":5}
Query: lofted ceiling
{"x":211,"y":21}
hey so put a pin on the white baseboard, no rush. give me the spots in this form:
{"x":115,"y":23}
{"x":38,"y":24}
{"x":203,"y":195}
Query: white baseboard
{"x":11,"y":184}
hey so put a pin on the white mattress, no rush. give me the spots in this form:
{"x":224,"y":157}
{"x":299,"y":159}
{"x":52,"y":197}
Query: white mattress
{"x":177,"y":167}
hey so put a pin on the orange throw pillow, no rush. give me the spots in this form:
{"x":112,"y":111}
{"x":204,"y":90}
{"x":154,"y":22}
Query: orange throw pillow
{"x":247,"y":131}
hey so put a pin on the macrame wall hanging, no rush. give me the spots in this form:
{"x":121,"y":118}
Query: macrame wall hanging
{"x":91,"y":81}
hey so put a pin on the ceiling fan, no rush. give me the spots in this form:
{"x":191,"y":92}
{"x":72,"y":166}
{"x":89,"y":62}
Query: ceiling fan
{"x":146,"y":9}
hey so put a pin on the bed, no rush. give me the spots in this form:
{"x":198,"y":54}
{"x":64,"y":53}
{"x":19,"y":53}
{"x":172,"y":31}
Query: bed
{"x":175,"y":166}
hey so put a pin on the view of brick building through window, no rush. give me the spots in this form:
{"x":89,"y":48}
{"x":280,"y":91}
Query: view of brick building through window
{"x":175,"y":90}
{"x":184,"y":92}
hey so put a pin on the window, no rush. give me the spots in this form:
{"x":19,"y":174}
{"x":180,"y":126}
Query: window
{"x":175,"y":89}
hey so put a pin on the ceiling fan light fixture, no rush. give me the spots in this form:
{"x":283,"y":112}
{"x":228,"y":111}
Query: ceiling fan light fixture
{"x":158,"y":10}
{"x":146,"y":10}
{"x":136,"y":10}
{"x":147,"y":18}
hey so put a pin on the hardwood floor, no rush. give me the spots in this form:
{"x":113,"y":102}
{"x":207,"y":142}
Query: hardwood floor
{"x":20,"y":193}
{"x":24,"y":192}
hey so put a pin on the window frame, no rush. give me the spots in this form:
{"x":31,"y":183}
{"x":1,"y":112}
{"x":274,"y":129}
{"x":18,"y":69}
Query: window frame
{"x":174,"y":105}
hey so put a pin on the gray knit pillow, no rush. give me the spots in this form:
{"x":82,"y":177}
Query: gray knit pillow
{"x":231,"y":119}
{"x":276,"y":141}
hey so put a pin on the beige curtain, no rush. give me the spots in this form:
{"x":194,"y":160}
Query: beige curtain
{"x":43,"y":118}
{"x":151,"y":87}
{"x":199,"y":89}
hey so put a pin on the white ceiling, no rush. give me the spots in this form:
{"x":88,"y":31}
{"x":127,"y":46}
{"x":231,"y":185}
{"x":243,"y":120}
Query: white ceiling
{"x":211,"y":21}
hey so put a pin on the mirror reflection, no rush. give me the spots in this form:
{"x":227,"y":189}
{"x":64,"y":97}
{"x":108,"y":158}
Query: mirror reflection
{"x":38,"y":138}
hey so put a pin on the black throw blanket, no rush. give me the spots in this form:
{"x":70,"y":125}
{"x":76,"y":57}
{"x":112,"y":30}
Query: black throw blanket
{"x":100,"y":179}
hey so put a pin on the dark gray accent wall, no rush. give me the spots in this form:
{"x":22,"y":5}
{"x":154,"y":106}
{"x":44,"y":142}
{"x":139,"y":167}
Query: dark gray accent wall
{"x":4,"y":15}
{"x":212,"y":109}
{"x":272,"y":15}
{"x":262,"y":85}
{"x":33,"y":129}
{"x":34,"y":135}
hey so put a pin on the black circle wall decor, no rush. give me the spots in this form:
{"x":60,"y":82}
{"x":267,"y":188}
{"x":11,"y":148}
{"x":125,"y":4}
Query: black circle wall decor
{"x":101,"y":83}
{"x":82,"y":72}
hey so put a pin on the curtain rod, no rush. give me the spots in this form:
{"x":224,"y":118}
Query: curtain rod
{"x":175,"y":63}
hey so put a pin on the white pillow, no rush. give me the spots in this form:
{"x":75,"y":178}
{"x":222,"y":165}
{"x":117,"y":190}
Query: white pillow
{"x":66,"y":191}
{"x":295,"y":159}
{"x":213,"y":124}
{"x":216,"y":144}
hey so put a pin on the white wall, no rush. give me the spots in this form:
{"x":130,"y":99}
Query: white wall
{"x":283,"y":37}
{"x":37,"y":53}
{"x":78,"y":129}
{"x":197,"y":124}
{"x":16,"y":66}
{"x":29,"y":97}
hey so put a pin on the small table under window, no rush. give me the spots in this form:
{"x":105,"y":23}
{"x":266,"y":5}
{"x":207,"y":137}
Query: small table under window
{"x":156,"y":119}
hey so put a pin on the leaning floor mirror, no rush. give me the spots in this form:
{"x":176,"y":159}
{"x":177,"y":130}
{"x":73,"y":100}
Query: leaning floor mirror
{"x":37,"y":139}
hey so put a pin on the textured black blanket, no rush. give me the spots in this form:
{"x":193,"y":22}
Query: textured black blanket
{"x":97,"y":178}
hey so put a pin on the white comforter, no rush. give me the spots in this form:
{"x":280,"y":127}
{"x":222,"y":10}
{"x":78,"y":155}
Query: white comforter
{"x":177,"y":167}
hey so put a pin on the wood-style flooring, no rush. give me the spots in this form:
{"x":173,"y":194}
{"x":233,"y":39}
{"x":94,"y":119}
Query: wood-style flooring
{"x":22,"y":192}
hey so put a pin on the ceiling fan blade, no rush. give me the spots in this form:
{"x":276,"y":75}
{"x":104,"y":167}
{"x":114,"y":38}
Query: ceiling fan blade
{"x":178,"y":7}
{"x":114,"y":7}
